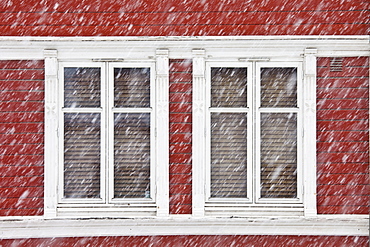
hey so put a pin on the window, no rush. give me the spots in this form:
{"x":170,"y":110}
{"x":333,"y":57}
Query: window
{"x":253,"y":140}
{"x":108,"y":152}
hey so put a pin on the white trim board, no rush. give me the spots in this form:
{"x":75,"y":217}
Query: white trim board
{"x":333,"y":225}
{"x":181,"y":47}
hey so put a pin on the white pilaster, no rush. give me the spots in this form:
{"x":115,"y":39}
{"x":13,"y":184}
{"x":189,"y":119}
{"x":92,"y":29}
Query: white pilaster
{"x":309,"y":138}
{"x":162,"y":135}
{"x":51,"y":134}
{"x":199,"y":86}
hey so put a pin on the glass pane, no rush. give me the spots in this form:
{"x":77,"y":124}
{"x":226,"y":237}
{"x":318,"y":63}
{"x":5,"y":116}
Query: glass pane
{"x":229,"y":87}
{"x":82,"y":155}
{"x":278,"y":87}
{"x":132,"y":87}
{"x":229,"y":155}
{"x":132,"y":155}
{"x":81,"y":87}
{"x":278,"y":155}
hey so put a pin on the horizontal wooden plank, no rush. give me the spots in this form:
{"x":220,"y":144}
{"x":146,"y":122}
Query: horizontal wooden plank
{"x":341,"y":104}
{"x":180,"y":97}
{"x":22,"y":160}
{"x":347,"y":61}
{"x":21,"y":171}
{"x":23,"y":74}
{"x":344,"y":157}
{"x":343,"y":146}
{"x":343,"y":179}
{"x":343,"y":190}
{"x":180,"y":178}
{"x":17,"y":117}
{"x":350,"y":200}
{"x":180,"y":88}
{"x":338,"y":82}
{"x":19,"y":149}
{"x":345,"y":168}
{"x":348,"y":125}
{"x":188,"y":30}
{"x":181,"y":65}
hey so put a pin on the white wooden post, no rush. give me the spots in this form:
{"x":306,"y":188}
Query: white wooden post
{"x":51,"y":134}
{"x":162,"y":132}
{"x":199,"y":86}
{"x":309,"y":138}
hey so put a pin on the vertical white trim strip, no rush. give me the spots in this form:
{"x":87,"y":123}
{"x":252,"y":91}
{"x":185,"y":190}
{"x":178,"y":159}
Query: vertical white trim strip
{"x":309,"y":135}
{"x":199,"y":150}
{"x":51,"y":134}
{"x":162,"y":132}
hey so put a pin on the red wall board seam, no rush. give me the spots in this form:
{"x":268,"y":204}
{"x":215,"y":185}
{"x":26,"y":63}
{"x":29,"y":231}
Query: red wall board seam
{"x":354,"y":157}
{"x":342,"y":209}
{"x":346,"y":168}
{"x":181,"y":107}
{"x":342,"y":146}
{"x":343,"y":179}
{"x":23,"y":149}
{"x":26,"y":181}
{"x":24,"y":160}
{"x":17,"y":117}
{"x":355,"y":125}
{"x":180,"y":87}
{"x":24,"y":192}
{"x":346,"y":189}
{"x":20,"y":96}
{"x":357,"y":82}
{"x":180,"y":168}
{"x":342,"y":104}
{"x":343,"y":93}
{"x":350,"y":200}
{"x":20,"y":171}
{"x":187,"y":30}
{"x":183,"y":137}
{"x":22,"y":85}
{"x":25,"y":106}
{"x":27,"y":138}
{"x":20,"y":128}
{"x":21,"y":203}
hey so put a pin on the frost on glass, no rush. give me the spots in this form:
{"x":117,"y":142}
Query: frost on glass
{"x":278,"y":155}
{"x":229,"y":87}
{"x":82,"y":155}
{"x":131,"y":155}
{"x":229,"y":155}
{"x":81,"y":87}
{"x":131,"y":87}
{"x":279,"y":87}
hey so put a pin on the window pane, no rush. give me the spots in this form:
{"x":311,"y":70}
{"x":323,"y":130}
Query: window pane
{"x":81,"y":87}
{"x":132,"y":87}
{"x":229,"y":155}
{"x":229,"y":87}
{"x":131,"y":155}
{"x":278,"y":155}
{"x":278,"y":87}
{"x":82,"y":155}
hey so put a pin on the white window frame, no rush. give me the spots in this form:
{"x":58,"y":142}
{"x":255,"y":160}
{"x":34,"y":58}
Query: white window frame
{"x":305,"y":203}
{"x":107,"y":206}
{"x":253,"y":140}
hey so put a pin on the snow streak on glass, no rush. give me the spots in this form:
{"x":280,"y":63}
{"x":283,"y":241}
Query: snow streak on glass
{"x":131,"y":87}
{"x":132,"y":155}
{"x":278,"y":155}
{"x":229,"y":155}
{"x":278,"y":87}
{"x":229,"y":87}
{"x":81,"y":87}
{"x":82,"y":155}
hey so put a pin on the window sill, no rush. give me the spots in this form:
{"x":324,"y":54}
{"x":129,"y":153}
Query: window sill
{"x":38,"y":227}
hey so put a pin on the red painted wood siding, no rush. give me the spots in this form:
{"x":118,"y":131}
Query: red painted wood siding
{"x":21,"y":137}
{"x":180,"y":136}
{"x":200,"y":241}
{"x":343,"y":137}
{"x":183,"y":18}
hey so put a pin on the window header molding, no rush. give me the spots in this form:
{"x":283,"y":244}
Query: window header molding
{"x":181,"y":47}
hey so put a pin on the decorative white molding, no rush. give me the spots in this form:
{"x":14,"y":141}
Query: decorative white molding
{"x":51,"y":133}
{"x":309,"y":135}
{"x":199,"y":86}
{"x":180,"y":47}
{"x":162,"y":132}
{"x":338,"y":225}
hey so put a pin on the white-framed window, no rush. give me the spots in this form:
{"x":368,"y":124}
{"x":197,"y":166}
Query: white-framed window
{"x":254,"y":134}
{"x":111,"y":126}
{"x":253,"y":153}
{"x":107,"y":123}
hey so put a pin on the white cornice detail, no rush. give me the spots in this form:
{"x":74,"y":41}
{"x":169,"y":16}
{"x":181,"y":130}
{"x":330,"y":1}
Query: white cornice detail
{"x":334,"y":225}
{"x":181,"y":47}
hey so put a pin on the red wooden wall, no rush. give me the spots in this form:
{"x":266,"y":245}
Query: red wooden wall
{"x":343,"y":137}
{"x":183,"y":18}
{"x":21,"y":137}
